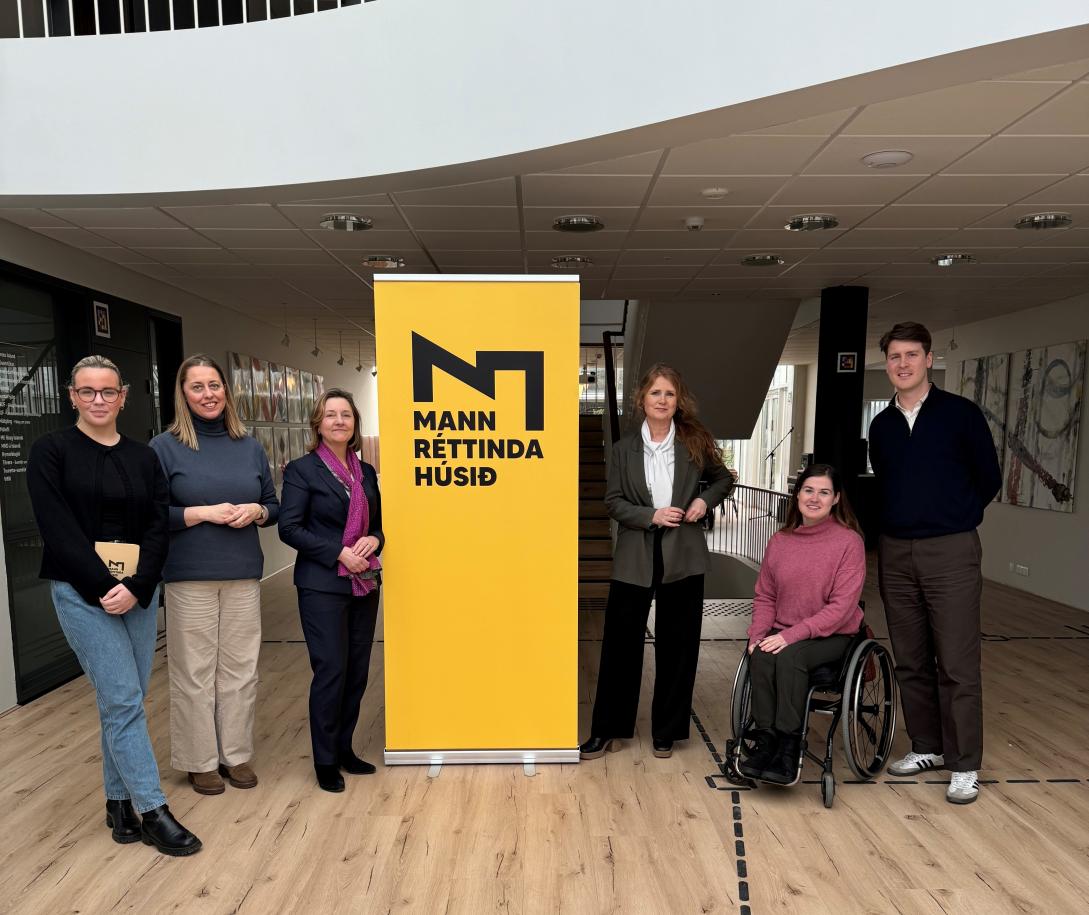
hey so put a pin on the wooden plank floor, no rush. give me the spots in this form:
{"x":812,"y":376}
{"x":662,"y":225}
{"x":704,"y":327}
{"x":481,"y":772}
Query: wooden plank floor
{"x":627,"y":834}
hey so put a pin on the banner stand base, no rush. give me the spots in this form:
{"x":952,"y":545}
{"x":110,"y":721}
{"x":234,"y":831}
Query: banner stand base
{"x":456,"y":757}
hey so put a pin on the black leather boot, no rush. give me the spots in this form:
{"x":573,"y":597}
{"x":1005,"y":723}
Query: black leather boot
{"x":596,"y":747}
{"x":663,"y":749}
{"x":353,"y":765}
{"x":783,"y":767}
{"x":755,"y":759}
{"x":124,"y":822}
{"x":160,"y":829}
{"x":329,"y":778}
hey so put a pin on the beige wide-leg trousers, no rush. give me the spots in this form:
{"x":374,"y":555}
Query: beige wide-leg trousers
{"x":213,"y":638}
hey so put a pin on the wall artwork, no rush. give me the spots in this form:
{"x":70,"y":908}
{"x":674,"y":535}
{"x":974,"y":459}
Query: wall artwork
{"x":262,"y":390}
{"x":1042,"y":419}
{"x":299,"y":440}
{"x":306,"y":385}
{"x":278,"y":392}
{"x":264,"y":435}
{"x":241,"y":382}
{"x":294,"y":396}
{"x":985,"y":382}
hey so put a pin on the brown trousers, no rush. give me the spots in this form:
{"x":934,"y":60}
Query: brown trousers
{"x":931,"y":589}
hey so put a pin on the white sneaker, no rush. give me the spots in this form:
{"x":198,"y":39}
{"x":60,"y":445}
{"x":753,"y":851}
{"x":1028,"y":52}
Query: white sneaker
{"x":914,"y":763}
{"x":963,"y":788}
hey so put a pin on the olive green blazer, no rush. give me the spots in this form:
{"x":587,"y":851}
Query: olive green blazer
{"x":627,"y":497}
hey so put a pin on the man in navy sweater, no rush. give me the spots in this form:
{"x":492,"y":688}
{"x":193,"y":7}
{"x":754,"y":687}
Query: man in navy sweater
{"x":937,"y":471}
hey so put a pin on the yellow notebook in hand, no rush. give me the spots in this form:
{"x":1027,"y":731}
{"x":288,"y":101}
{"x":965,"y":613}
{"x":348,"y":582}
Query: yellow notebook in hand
{"x":121,"y":558}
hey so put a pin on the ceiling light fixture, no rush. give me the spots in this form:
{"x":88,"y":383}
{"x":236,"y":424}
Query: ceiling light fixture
{"x":374,"y":372}
{"x":571,"y":262}
{"x":286,"y":339}
{"x":578,"y":223}
{"x":340,"y":346}
{"x":762,"y":260}
{"x":948,"y":260}
{"x":358,"y":356}
{"x":345,"y":222}
{"x":315,"y":350}
{"x":953,"y":341}
{"x":714,"y":193}
{"x":811,"y":222}
{"x":383,"y":261}
{"x":887,"y":158}
{"x":1044,"y":221}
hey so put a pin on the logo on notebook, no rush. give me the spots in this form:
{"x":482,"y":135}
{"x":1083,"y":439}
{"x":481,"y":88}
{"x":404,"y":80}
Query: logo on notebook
{"x":115,"y":566}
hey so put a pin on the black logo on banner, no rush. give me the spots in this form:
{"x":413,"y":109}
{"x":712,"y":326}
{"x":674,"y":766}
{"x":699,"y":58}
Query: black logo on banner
{"x":481,"y":377}
{"x":470,"y":441}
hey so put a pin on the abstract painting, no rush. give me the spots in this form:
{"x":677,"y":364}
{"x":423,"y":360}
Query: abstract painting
{"x":1042,"y":420}
{"x":985,"y":381}
{"x":294,"y":396}
{"x":262,"y":400}
{"x":278,"y":392}
{"x":241,"y":382}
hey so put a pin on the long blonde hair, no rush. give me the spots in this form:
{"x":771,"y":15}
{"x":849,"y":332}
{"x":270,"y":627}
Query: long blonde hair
{"x":693,"y":434}
{"x":182,"y":428}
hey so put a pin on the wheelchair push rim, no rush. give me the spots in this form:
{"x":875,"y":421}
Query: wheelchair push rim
{"x":868,"y":719}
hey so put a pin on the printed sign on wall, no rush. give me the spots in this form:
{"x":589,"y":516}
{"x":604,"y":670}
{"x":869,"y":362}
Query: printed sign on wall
{"x":478,"y":411}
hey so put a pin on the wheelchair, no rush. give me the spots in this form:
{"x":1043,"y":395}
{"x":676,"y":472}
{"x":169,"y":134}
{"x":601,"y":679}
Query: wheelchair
{"x":858,"y":694}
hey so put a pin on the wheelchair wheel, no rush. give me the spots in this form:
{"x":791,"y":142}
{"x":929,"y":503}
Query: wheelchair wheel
{"x":868,"y":718}
{"x":739,"y":705}
{"x":828,"y":788}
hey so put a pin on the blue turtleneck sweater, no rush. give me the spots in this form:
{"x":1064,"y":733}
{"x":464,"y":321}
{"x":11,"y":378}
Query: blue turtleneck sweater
{"x":222,"y":469}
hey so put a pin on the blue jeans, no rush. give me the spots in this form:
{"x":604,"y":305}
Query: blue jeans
{"x":115,"y":652}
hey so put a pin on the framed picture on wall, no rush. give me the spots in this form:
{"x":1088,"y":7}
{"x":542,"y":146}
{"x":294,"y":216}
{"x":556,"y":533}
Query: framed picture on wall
{"x":306,"y":384}
{"x":241,"y":382}
{"x":282,"y":448}
{"x":299,"y":440}
{"x":848,"y":362}
{"x":319,"y":386}
{"x":262,"y":391}
{"x":277,"y":381}
{"x":294,"y":396}
{"x":263,"y":434}
{"x":102,"y":319}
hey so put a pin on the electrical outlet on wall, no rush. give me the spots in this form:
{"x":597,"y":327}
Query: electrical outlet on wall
{"x":1022,"y":570}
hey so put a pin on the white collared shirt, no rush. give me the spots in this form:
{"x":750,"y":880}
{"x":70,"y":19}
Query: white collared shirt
{"x":658,"y":463}
{"x":912,"y":414}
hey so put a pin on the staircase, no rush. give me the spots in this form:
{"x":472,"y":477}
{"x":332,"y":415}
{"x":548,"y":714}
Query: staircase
{"x":595,"y":542}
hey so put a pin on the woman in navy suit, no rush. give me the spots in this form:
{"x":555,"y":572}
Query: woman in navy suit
{"x":331,"y":512}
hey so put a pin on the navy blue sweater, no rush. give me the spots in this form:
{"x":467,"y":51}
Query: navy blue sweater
{"x":937,"y":478}
{"x":223,"y":470}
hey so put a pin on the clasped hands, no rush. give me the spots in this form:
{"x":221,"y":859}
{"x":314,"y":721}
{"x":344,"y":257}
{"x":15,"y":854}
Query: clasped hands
{"x":118,"y":600}
{"x":354,"y":558}
{"x":673,"y":517}
{"x":230,"y":514}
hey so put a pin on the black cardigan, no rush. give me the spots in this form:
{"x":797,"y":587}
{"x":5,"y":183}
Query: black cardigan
{"x":64,"y":476}
{"x":313,"y":512}
{"x":938,"y":477}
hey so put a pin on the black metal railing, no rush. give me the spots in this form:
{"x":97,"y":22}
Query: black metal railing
{"x":746,"y":521}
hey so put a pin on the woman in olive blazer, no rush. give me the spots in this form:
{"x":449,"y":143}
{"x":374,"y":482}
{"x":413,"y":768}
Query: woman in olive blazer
{"x":660,"y":554}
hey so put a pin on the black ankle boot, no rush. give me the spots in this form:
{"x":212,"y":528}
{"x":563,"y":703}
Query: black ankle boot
{"x":159,"y":828}
{"x":783,"y":767}
{"x":663,"y":749}
{"x":353,"y":765}
{"x":124,"y":822}
{"x":596,"y":747}
{"x":329,"y":778}
{"x":758,"y":752}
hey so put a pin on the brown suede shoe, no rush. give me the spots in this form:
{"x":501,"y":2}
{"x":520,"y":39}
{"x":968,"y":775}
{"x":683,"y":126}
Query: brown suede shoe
{"x":207,"y":782}
{"x":240,"y":776}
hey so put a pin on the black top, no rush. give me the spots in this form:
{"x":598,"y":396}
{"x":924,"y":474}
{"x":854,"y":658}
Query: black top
{"x":313,"y":512}
{"x":71,"y":478}
{"x":937,"y":478}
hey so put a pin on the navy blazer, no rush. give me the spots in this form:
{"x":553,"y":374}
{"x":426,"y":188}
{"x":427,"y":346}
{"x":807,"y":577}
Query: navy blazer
{"x":313,"y":512}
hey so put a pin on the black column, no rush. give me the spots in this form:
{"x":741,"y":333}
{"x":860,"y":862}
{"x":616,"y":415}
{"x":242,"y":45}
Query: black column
{"x":837,"y":433}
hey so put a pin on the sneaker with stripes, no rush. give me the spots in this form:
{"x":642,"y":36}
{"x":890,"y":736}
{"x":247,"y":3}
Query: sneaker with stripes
{"x":963,"y":788}
{"x":914,"y":763}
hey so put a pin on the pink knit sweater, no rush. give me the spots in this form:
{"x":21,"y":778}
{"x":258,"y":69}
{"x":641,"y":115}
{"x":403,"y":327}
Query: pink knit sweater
{"x":809,"y":583}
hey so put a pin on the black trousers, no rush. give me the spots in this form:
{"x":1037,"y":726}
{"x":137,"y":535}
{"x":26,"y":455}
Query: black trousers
{"x":678,"y":621}
{"x":339,"y":632}
{"x":780,"y":682}
{"x":931,"y":590}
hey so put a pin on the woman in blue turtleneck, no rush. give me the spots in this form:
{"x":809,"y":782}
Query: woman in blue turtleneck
{"x":220,"y":492}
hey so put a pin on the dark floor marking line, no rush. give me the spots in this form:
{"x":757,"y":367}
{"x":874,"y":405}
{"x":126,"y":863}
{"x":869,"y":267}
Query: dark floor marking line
{"x":982,"y":781}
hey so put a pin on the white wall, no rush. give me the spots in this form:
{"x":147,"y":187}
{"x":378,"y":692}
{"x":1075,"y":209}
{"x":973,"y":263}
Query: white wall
{"x":389,"y":88}
{"x":1054,"y":545}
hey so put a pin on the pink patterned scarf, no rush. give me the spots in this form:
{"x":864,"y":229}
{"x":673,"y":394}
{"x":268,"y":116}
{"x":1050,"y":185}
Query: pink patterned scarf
{"x":359,"y":517}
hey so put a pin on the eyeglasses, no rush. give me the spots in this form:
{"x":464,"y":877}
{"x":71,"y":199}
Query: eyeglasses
{"x":87,"y":395}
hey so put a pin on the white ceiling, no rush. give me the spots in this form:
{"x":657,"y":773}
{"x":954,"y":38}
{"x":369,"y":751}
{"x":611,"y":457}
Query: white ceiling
{"x":985,"y":154}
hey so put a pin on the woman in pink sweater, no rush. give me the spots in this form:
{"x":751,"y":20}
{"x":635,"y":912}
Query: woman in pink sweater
{"x":803,"y":615}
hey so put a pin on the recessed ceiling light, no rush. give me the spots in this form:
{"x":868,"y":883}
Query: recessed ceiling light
{"x":887,"y":158}
{"x":714,"y":193}
{"x":571,"y":262}
{"x":383,"y":261}
{"x":345,"y":222}
{"x":948,"y":260}
{"x":578,"y":223}
{"x":811,"y":222}
{"x":762,"y":260}
{"x":1044,"y":221}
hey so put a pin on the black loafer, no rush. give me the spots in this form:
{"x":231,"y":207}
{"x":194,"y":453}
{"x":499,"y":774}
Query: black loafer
{"x":663,"y":749}
{"x":353,"y":765}
{"x":329,"y":778}
{"x":159,"y":828}
{"x":596,"y":747}
{"x":122,"y":819}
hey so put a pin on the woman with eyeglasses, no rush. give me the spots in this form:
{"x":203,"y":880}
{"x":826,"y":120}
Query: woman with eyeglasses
{"x":332,"y":514}
{"x":100,"y":500}
{"x":221,"y":491}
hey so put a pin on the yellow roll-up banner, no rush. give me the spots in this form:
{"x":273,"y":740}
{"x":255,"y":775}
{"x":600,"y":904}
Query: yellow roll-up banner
{"x":478,"y":425}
